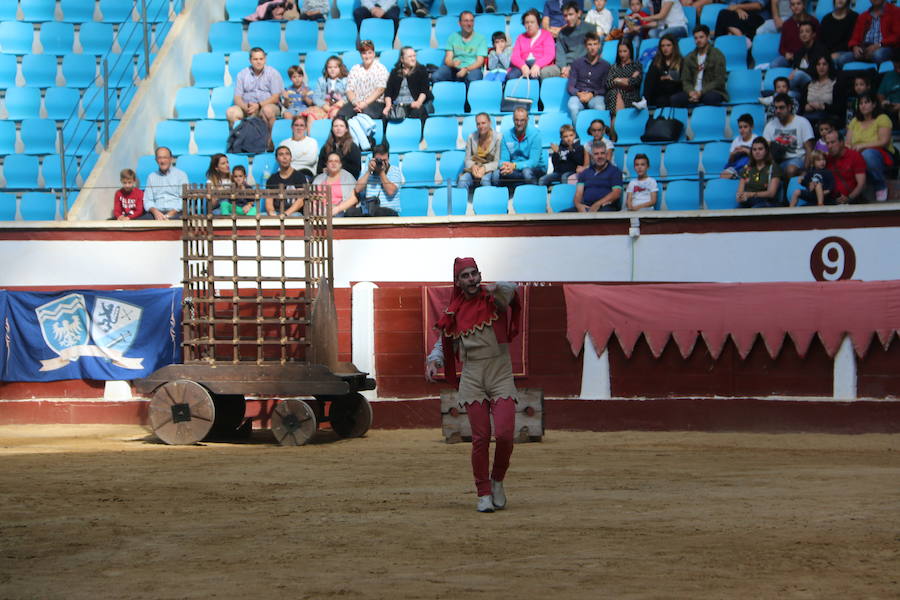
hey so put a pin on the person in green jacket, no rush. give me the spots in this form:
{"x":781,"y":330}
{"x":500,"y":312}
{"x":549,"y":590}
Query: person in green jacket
{"x":703,"y":76}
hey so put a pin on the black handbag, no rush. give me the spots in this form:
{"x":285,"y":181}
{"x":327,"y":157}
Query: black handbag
{"x":663,"y":129}
{"x":397,"y":112}
{"x":511,"y":102}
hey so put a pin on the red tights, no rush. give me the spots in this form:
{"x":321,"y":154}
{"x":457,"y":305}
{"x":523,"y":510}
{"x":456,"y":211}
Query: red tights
{"x":504,"y":412}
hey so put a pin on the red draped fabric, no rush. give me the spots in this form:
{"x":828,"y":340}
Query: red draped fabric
{"x":711,"y":312}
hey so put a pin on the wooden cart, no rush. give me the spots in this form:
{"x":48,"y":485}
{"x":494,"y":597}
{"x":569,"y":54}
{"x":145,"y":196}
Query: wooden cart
{"x":258,"y":320}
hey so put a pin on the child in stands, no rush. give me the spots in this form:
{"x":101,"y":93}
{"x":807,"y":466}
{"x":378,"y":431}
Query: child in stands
{"x":824,"y":128}
{"x":129,"y":200}
{"x":739,"y":153}
{"x":245,"y":206}
{"x":636,"y":24}
{"x":498,"y":58}
{"x":297,"y":98}
{"x":601,"y":18}
{"x":782,"y":86}
{"x":642,"y":190}
{"x":566,"y":157}
{"x":818,"y":183}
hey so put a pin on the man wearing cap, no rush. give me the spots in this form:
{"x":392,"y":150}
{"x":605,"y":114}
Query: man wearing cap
{"x":479,"y":323}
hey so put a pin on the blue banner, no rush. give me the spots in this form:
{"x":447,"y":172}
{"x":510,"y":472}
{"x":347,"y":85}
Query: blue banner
{"x":85,"y":334}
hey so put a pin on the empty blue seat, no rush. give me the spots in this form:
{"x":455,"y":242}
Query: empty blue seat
{"x":313,"y":64}
{"x":823,"y":7}
{"x":38,"y":206}
{"x":121,"y":70}
{"x":238,"y":9}
{"x":79,"y":70}
{"x":301,"y":36}
{"x":794,"y":185}
{"x":211,"y":136}
{"x":340,"y":35}
{"x":77,"y":11}
{"x":530,"y":199}
{"x":757,"y":111}
{"x":404,"y":136}
{"x":487,"y":24}
{"x":222,"y":97}
{"x":39,"y":136}
{"x":720,"y":194}
{"x":95,"y":38}
{"x":444,"y":27}
{"x":194,"y":166}
{"x":51,"y":171}
{"x":415,"y":32}
{"x":116,"y":11}
{"x":765,"y":48}
{"x":554,"y":95}
{"x":682,"y":195}
{"x":282,"y":61}
{"x":516,"y":29}
{"x":459,"y":201}
{"x":7,"y":207}
{"x":413,"y":202}
{"x":418,"y":168}
{"x":682,"y":160}
{"x":23,"y":103}
{"x":562,"y":197}
{"x":208,"y":69}
{"x":451,"y":165}
{"x":454,"y":7}
{"x":550,"y":124}
{"x":16,"y":37}
{"x":130,"y":37}
{"x":440,"y":133}
{"x":484,"y":96}
{"x":36,"y":11}
{"x":380,"y":31}
{"x":79,"y":137}
{"x":146,"y":164}
{"x":708,"y":17}
{"x":265,"y":35}
{"x":57,"y":38}
{"x":7,"y":138}
{"x":490,"y":201}
{"x":261,"y":164}
{"x":226,"y":36}
{"x":39,"y":70}
{"x":8,"y":71}
{"x":157,"y":10}
{"x":630,"y":124}
{"x":856,"y":65}
{"x":9,"y":11}
{"x":319,"y":130}
{"x":744,"y":85}
{"x":449,"y":97}
{"x":351,"y":58}
{"x":585,"y":118}
{"x":237,"y":61}
{"x":714,"y":158}
{"x":389,"y":57}
{"x":191,"y":103}
{"x":281,"y":131}
{"x":654,"y":156}
{"x":431,"y":56}
{"x":734,"y":47}
{"x":690,"y":13}
{"x":21,"y":171}
{"x":708,"y":123}
{"x":175,"y":135}
{"x":61,"y":103}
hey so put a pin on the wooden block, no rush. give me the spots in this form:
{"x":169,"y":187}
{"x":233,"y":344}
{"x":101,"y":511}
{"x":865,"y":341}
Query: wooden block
{"x":529,"y":417}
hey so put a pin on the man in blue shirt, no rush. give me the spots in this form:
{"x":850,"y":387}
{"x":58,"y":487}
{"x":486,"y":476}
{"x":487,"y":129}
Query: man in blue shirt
{"x":553,"y":16}
{"x":378,"y":187}
{"x":587,"y":79}
{"x":162,"y":190}
{"x":600,"y":185}
{"x":522,"y":159}
{"x":377,"y":9}
{"x":257,"y":91}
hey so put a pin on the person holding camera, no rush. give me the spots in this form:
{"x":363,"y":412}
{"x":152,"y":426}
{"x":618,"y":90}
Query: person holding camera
{"x":378,"y":187}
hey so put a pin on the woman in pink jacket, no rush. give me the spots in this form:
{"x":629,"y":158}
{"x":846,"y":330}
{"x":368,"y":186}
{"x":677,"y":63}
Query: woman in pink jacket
{"x":534,"y":54}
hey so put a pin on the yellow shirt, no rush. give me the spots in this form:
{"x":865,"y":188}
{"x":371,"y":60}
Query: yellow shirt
{"x":867,"y":133}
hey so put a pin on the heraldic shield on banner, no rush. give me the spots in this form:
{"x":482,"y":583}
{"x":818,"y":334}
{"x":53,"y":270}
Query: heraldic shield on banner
{"x":67,"y":329}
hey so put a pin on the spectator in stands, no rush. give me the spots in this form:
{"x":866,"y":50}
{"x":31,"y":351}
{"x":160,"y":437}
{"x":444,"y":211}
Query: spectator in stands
{"x":128,"y":202}
{"x":465,"y":54}
{"x":793,"y":132}
{"x":824,"y":127}
{"x":818,"y":183}
{"x":273,"y":10}
{"x":241,"y":206}
{"x":623,"y":83}
{"x":740,"y":18}
{"x":758,"y":187}
{"x":341,"y":142}
{"x":697,"y":4}
{"x":599,"y":186}
{"x":409,"y":87}
{"x":217,"y":175}
{"x":534,"y":52}
{"x":378,"y":188}
{"x":554,"y":16}
{"x":781,"y":85}
{"x":330,"y":93}
{"x":340,"y":182}
{"x":304,"y":149}
{"x":739,"y":153}
{"x":876,"y":33}
{"x":365,"y":85}
{"x":257,"y":91}
{"x":805,"y":58}
{"x":287,"y":178}
{"x":587,"y":79}
{"x":597,"y":131}
{"x":670,"y":20}
{"x":790,"y":34}
{"x":779,"y":10}
{"x":570,"y":39}
{"x":836,"y":30}
{"x":861,"y":86}
{"x":848,"y":167}
{"x":704,"y":73}
{"x":635,"y":23}
{"x":314,"y":10}
{"x":642,"y":189}
{"x":377,"y":9}
{"x":499,"y":56}
{"x":566,"y":157}
{"x":162,"y":194}
{"x":869,"y":133}
{"x":601,"y":18}
{"x":522,"y":159}
{"x":889,"y":90}
{"x":297,"y":98}
{"x":664,"y":75}
{"x":820,"y":91}
{"x":482,"y":154}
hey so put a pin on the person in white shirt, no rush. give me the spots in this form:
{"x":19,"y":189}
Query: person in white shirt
{"x":793,"y":132}
{"x":669,"y":20}
{"x":642,"y":190}
{"x":304,"y":149}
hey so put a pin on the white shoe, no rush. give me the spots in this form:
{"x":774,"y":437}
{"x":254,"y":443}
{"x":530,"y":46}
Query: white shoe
{"x":641,"y":104}
{"x":767,"y":100}
{"x":498,"y":494}
{"x":485,"y":504}
{"x":881,"y":195}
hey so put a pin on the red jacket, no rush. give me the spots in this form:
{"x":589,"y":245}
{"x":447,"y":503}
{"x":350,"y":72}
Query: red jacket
{"x":130,"y":205}
{"x":890,"y":26}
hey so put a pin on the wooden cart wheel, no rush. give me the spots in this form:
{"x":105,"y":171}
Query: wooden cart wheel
{"x":350,"y":415}
{"x":293,"y":422}
{"x":181,"y":412}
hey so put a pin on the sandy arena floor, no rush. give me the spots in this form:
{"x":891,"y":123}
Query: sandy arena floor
{"x":103,"y":512}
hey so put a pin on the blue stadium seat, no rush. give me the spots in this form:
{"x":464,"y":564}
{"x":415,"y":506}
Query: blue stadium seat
{"x":720,"y":194}
{"x":8,"y":71}
{"x":237,"y":61}
{"x":238,"y":159}
{"x":23,"y":103}
{"x":157,"y":10}
{"x":793,"y":185}
{"x":9,"y":11}
{"x":95,"y":38}
{"x":38,"y":136}
{"x":444,"y":27}
{"x":87,"y":165}
{"x":21,"y":171}
{"x":743,"y":85}
{"x":319,"y":130}
{"x":57,"y":38}
{"x":516,"y":29}
{"x":549,"y":126}
{"x":313,"y":65}
{"x":714,"y":158}
{"x":404,"y":136}
{"x":459,"y":199}
{"x":195,"y":166}
{"x":504,"y":7}
{"x":51,"y":170}
{"x":7,"y":207}
{"x":282,"y":61}
{"x":686,"y":45}
{"x":413,"y":202}
{"x":487,"y":24}
{"x":130,"y":37}
{"x":7,"y":138}
{"x":259,"y":165}
{"x":39,"y":70}
{"x":562,"y":197}
{"x":530,"y":199}
{"x":191,"y":103}
{"x":345,"y":7}
{"x":454,"y":7}
{"x":690,"y":13}
{"x":160,"y":31}
{"x":265,"y":35}
{"x":440,"y":133}
{"x":16,"y":37}
{"x":765,"y":48}
{"x":490,"y":201}
{"x":351,"y":58}
{"x":418,"y":168}
{"x":36,"y":11}
{"x":222,"y":97}
{"x":449,"y":97}
{"x":734,"y":47}
{"x":116,"y":11}
{"x":389,"y":57}
{"x":125,"y":97}
{"x":484,"y":96}
{"x":630,"y":123}
{"x":585,"y":118}
{"x":554,"y":95}
{"x":859,"y":66}
{"x":340,"y":35}
{"x":380,"y":31}
{"x":281,"y":131}
{"x":238,"y":9}
{"x":682,"y":195}
{"x":226,"y":36}
{"x":772,"y":75}
{"x":757,"y":111}
{"x":451,"y":165}
{"x":415,"y":32}
{"x":708,"y":16}
{"x":524,"y":88}
{"x":38,"y":206}
{"x":301,"y":36}
{"x":61,"y":103}
{"x":79,"y":137}
{"x":823,"y":7}
{"x":654,"y":155}
{"x":121,"y":70}
{"x":682,"y":161}
{"x":431,"y":56}
{"x":79,"y":70}
{"x":886,"y":66}
{"x":77,"y":11}
{"x":174,"y":134}
{"x":210,"y":136}
{"x":468,"y":126}
{"x":708,"y":123}
{"x":208,"y":69}
{"x":146,"y":164}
